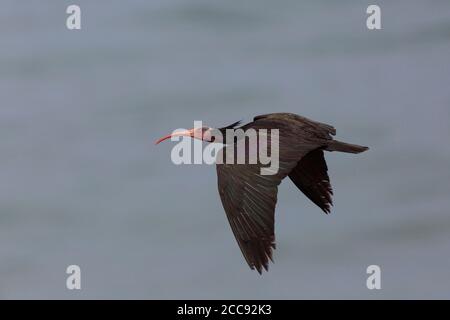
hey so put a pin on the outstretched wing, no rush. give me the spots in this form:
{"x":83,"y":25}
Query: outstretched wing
{"x":249,"y":198}
{"x":249,"y":201}
{"x":311,"y":177}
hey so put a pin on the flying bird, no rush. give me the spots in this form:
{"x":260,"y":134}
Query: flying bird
{"x":249,"y":197}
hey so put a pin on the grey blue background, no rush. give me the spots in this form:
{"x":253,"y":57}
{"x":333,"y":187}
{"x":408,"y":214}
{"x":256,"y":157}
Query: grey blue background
{"x":82,"y":183}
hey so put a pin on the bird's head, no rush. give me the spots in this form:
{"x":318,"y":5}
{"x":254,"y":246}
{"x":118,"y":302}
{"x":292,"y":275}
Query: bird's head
{"x":201,"y":133}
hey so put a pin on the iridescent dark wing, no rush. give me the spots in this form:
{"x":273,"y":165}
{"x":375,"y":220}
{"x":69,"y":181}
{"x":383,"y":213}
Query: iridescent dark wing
{"x":311,"y":177}
{"x":249,"y":198}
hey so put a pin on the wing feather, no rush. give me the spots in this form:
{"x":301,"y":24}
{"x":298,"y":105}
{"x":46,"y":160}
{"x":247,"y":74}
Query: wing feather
{"x":311,"y":177}
{"x":249,"y":198}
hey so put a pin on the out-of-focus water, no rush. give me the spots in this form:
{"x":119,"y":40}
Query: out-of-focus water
{"x":82,"y":183}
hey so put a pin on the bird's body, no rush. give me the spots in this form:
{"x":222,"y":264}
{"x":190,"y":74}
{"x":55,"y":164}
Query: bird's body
{"x":249,"y":198}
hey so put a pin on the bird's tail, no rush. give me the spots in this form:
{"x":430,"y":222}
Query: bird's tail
{"x":336,"y":145}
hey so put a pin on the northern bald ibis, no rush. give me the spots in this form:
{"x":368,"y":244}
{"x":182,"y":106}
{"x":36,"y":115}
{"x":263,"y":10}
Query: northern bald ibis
{"x":249,"y":197}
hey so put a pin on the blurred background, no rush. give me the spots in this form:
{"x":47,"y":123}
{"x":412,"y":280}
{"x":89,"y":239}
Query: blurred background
{"x":82,"y":183}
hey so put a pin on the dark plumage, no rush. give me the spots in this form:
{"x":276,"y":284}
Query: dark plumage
{"x":249,"y":198}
